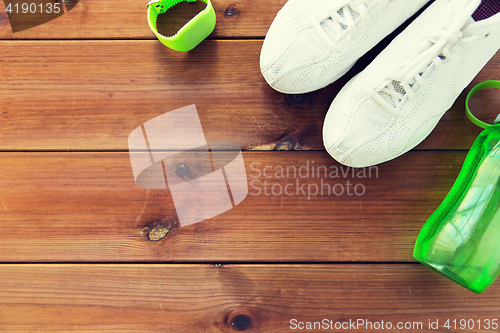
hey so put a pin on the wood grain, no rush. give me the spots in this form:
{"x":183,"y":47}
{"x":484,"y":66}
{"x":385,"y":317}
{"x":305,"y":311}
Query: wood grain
{"x":86,"y":207}
{"x":73,"y":89}
{"x":127,"y":20}
{"x":246,"y":298}
{"x":90,"y":95}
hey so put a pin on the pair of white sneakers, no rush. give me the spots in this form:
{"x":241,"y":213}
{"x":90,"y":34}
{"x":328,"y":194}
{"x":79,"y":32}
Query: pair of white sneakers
{"x":397,"y":100}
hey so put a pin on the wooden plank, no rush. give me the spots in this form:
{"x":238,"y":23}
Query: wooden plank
{"x":246,"y":298}
{"x":127,"y":20}
{"x":90,"y":95}
{"x":86,"y":207}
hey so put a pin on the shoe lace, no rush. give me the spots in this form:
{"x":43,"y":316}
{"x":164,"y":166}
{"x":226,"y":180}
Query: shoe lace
{"x":343,"y":18}
{"x":435,"y":51}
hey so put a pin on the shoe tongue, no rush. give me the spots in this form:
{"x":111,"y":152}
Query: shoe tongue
{"x":354,"y":13}
{"x":331,"y":33}
{"x":326,"y":24}
{"x":461,"y":7}
{"x":460,"y":14}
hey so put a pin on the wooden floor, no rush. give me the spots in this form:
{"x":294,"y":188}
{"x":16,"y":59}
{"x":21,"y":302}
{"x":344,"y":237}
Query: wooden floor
{"x":84,"y":249}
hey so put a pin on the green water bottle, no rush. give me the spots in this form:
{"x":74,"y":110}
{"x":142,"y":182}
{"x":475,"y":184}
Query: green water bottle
{"x":461,"y":239}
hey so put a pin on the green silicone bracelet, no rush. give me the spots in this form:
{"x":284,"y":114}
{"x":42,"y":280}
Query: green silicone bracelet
{"x":480,"y":86}
{"x":191,"y":34}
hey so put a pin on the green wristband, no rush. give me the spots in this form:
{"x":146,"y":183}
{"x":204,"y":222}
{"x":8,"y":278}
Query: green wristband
{"x":478,"y":87}
{"x":191,"y":34}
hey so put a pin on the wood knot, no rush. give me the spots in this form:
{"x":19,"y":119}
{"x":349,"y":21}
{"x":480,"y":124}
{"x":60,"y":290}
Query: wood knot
{"x":182,"y":170}
{"x":286,"y":145}
{"x":240,"y":322}
{"x":298,"y":102}
{"x":287,"y":142}
{"x":156,"y":232}
{"x":298,"y":99}
{"x":231,"y":11}
{"x":4,"y":19}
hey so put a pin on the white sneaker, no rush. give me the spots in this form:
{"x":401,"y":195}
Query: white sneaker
{"x":399,"y":98}
{"x":312,"y":43}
